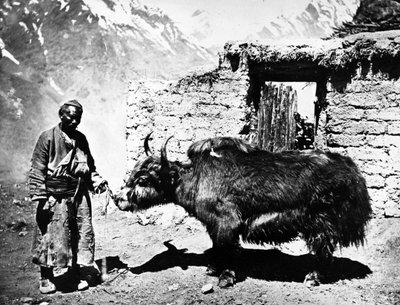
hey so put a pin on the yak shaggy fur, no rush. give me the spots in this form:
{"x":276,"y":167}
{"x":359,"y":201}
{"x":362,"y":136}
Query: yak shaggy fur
{"x":320,"y":196}
{"x":236,"y":189}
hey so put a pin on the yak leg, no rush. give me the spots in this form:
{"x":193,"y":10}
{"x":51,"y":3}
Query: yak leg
{"x":223,"y":225}
{"x":224,"y":264}
{"x":323,"y":248}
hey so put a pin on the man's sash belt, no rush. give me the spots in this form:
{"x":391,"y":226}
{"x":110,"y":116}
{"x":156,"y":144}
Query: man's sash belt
{"x":62,"y":186}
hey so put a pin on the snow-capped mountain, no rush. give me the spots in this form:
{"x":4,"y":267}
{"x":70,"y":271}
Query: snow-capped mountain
{"x":253,"y":20}
{"x":318,"y":20}
{"x":123,"y":29}
{"x":201,"y":26}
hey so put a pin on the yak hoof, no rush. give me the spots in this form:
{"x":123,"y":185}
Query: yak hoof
{"x":212,"y":270}
{"x":312,"y":279}
{"x":227,"y":278}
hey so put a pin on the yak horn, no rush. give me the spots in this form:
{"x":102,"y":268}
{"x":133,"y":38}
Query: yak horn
{"x":147,"y":149}
{"x":164,"y":159}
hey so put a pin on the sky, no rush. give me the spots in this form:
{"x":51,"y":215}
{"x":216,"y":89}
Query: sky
{"x":231,"y":19}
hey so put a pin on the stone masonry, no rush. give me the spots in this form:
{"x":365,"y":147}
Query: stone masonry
{"x":364,"y":123}
{"x":197,"y":107}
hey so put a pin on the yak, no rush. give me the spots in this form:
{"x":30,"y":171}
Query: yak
{"x":236,"y":189}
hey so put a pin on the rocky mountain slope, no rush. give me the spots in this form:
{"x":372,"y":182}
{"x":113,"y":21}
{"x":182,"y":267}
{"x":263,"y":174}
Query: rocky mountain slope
{"x":372,"y":16}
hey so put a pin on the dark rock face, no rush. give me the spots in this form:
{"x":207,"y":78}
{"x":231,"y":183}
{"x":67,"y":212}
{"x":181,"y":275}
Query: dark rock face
{"x":373,"y":16}
{"x":383,"y":12}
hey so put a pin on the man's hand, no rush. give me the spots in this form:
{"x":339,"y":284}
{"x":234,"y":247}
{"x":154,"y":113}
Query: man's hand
{"x":46,"y":204}
{"x":101,"y":187}
{"x":40,"y":203}
{"x":44,"y":212}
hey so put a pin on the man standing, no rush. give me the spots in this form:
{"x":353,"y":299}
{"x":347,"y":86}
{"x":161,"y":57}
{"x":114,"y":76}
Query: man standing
{"x":62,"y":174}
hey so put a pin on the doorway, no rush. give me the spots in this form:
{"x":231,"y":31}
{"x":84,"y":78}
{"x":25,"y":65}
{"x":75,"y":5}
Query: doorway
{"x":286,"y":118}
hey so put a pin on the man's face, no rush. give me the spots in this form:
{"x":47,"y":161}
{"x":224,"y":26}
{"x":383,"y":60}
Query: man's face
{"x":71,"y":118}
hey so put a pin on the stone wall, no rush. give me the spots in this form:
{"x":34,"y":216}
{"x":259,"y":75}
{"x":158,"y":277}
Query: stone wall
{"x":196,"y":107}
{"x":363,"y":122}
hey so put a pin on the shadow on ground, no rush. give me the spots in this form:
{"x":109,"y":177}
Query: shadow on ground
{"x":268,"y":265}
{"x":94,"y":276}
{"x":68,"y":282}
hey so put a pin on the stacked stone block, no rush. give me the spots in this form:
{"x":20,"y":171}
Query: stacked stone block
{"x":363,"y":122}
{"x":195,"y":108}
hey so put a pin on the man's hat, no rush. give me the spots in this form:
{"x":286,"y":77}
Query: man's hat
{"x":74,"y":103}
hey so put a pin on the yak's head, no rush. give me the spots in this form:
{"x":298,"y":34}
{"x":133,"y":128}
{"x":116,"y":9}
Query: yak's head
{"x":153,"y":181}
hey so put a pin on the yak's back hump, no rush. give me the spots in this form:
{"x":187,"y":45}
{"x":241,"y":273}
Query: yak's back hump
{"x":218,"y":145}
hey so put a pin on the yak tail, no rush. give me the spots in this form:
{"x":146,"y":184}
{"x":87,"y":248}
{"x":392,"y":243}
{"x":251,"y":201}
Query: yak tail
{"x":357,"y":217}
{"x":346,"y":213}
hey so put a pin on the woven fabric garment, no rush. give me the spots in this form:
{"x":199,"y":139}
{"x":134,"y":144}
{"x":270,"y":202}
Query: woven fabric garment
{"x":62,"y":174}
{"x":64,"y":235}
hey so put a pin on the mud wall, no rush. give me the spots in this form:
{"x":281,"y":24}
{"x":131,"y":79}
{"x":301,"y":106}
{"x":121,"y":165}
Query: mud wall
{"x":363,"y":122}
{"x":196,"y":107}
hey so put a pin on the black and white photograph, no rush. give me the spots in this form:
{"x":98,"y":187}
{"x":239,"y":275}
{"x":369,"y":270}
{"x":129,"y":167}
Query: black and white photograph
{"x":196,"y":152}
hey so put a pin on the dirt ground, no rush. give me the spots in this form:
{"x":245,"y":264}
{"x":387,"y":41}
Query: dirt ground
{"x":160,"y":257}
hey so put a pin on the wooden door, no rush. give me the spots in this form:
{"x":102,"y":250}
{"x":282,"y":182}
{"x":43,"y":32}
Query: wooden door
{"x":276,"y":120}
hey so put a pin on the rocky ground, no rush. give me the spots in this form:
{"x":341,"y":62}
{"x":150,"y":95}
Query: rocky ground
{"x":160,"y":257}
